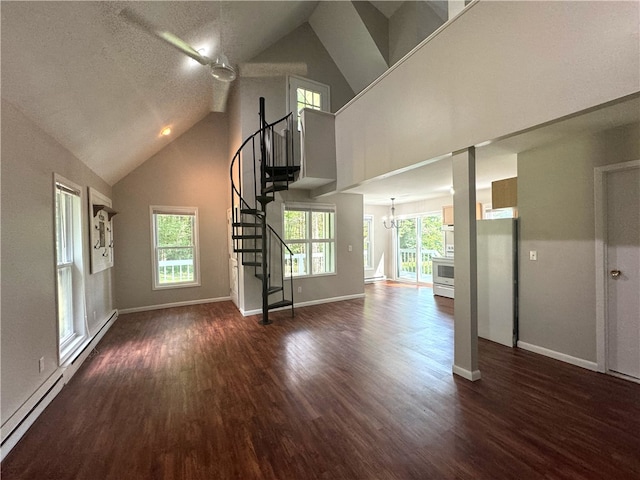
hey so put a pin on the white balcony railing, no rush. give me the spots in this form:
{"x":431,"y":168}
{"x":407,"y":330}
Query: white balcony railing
{"x":409,"y":268}
{"x":172,"y":271}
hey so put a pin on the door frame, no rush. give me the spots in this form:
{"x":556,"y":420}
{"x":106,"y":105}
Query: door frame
{"x":232,"y":263}
{"x":600,"y":198}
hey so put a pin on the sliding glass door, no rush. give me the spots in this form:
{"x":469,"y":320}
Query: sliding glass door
{"x":419,"y":239}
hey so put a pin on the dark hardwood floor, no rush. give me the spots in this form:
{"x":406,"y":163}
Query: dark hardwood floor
{"x":360,"y":389}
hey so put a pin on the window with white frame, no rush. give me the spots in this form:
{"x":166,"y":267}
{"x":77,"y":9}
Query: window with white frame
{"x":305,"y":93}
{"x":368,"y":241}
{"x":175,"y":247}
{"x":309,"y":231}
{"x":72,"y":323}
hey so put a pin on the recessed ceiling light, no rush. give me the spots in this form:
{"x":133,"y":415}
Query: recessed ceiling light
{"x":165,"y":131}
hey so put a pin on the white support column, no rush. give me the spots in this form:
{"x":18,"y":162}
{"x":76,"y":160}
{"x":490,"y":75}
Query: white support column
{"x":465,"y":361}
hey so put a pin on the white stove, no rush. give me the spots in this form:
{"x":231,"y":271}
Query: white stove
{"x":443,"y":283}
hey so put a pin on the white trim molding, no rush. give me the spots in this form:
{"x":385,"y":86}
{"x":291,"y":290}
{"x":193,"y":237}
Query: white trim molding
{"x":563,"y":357}
{"x":247,"y":313}
{"x":467,"y":374}
{"x":173,"y":304}
{"x":381,"y":278}
{"x":18,"y":424}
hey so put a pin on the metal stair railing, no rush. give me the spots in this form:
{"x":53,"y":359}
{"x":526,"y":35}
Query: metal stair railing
{"x":282,"y":268}
{"x":249,"y":224}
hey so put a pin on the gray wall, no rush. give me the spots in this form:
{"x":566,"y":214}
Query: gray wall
{"x":556,"y":209}
{"x":28,"y":331}
{"x":408,"y":26}
{"x":192,"y":171}
{"x":303,"y":45}
{"x":349,"y":264}
{"x":348,"y":279}
{"x":377,"y":25}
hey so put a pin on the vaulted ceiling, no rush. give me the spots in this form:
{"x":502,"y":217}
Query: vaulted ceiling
{"x":104,"y":89}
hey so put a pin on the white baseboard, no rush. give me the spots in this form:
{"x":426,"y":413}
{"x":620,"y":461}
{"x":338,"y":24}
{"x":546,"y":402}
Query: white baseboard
{"x":563,"y":357}
{"x":174,"y":304}
{"x":468,"y":374}
{"x":18,"y":424}
{"x":257,"y":311}
{"x":375,"y":279}
{"x":71,"y":367}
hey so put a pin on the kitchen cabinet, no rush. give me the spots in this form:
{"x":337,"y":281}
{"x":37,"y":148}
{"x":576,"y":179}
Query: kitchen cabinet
{"x":504,"y":193}
{"x":447,"y":214}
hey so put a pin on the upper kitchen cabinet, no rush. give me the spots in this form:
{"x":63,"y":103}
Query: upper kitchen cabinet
{"x":447,"y":214}
{"x":504,"y":193}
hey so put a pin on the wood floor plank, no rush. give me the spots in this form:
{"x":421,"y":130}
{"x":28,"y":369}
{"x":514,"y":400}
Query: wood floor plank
{"x":360,"y":389}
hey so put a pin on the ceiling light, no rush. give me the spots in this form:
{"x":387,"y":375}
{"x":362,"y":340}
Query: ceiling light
{"x":222,"y":70}
{"x":165,"y":131}
{"x":393,"y":223}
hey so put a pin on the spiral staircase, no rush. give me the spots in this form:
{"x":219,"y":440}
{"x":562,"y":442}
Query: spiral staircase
{"x":263,"y":166}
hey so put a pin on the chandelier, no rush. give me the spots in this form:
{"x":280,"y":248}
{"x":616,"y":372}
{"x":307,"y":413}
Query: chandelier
{"x":393,"y":223}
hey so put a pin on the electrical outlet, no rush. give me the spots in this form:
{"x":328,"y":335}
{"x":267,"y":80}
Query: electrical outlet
{"x":533,"y":255}
{"x":41,"y":365}
{"x":299,"y":289}
{"x":350,"y":248}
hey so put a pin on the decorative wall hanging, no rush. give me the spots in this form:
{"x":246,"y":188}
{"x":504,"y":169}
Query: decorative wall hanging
{"x":101,"y":227}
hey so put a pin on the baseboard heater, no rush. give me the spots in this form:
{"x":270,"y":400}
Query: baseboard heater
{"x":33,"y":409}
{"x":47,"y":392}
{"x":97,"y":335}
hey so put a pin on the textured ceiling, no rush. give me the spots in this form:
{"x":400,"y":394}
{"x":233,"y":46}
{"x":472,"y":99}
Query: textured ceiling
{"x":104,"y":89}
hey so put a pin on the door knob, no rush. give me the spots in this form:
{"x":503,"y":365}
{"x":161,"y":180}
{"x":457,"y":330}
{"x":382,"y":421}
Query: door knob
{"x":615,"y":273}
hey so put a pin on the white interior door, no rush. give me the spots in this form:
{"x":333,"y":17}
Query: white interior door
{"x":623,"y":267}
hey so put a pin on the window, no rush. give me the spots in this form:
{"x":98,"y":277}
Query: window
{"x":175,"y":247}
{"x":309,"y":231}
{"x":305,"y":93}
{"x":306,"y":99}
{"x":419,"y":239}
{"x":72,"y":327}
{"x":368,"y":241}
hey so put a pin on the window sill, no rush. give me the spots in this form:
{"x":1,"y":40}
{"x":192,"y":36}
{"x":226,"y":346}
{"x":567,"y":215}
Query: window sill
{"x":176,"y":285}
{"x":69,"y":353}
{"x":317,"y":275}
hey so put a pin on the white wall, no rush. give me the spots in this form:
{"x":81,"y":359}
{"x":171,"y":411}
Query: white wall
{"x":28,"y":330}
{"x":556,"y":208}
{"x":382,"y":238}
{"x":498,"y":68}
